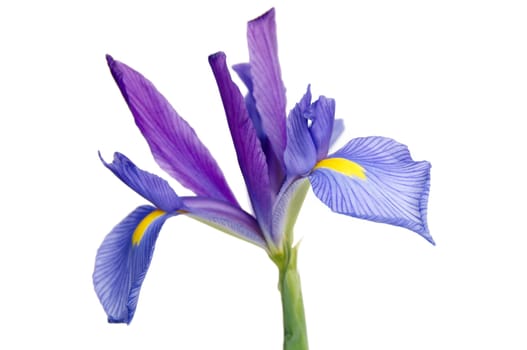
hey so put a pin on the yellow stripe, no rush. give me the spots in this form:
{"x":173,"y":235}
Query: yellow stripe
{"x":343,"y":166}
{"x":143,"y":225}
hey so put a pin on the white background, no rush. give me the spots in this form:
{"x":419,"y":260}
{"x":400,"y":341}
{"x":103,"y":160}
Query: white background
{"x":447,"y":78}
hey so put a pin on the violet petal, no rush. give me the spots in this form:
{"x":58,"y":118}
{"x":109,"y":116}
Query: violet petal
{"x":251,"y":157}
{"x":174,"y":144}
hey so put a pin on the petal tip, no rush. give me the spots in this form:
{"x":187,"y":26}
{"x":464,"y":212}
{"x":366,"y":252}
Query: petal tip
{"x":425,"y":233}
{"x":117,"y":158}
{"x":218,"y":56}
{"x":118,"y":71}
{"x":114,"y":69}
{"x":102,"y":159}
{"x":431,"y":240}
{"x":119,"y":320}
{"x":269,"y":14}
{"x":109,"y":59}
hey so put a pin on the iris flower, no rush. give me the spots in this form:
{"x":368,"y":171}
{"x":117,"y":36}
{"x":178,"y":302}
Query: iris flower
{"x":372,"y":178}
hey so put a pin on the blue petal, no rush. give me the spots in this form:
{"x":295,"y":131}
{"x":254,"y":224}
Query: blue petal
{"x":121,"y":264}
{"x":251,"y":157}
{"x":300,"y":153}
{"x":150,"y":186}
{"x":388,"y":186}
{"x":305,"y":103}
{"x":322,"y":125}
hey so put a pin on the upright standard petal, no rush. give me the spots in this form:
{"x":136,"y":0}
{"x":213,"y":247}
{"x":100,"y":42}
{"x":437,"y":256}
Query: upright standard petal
{"x":269,"y":90}
{"x":300,"y":153}
{"x":174,"y":144}
{"x":374,"y":178}
{"x":251,"y":157}
{"x":322,"y":125}
{"x":123,"y":260}
{"x":309,"y":130}
{"x":275,"y":166}
{"x":150,"y":186}
{"x":244,"y":72}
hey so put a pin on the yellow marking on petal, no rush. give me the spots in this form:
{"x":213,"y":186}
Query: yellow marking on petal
{"x":143,"y":225}
{"x":343,"y":166}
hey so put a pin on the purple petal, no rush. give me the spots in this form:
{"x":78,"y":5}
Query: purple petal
{"x":374,"y":178}
{"x":248,"y":148}
{"x":150,"y":186}
{"x":244,"y":72}
{"x":322,"y":125}
{"x":173,"y":142}
{"x":276,"y":171}
{"x":268,"y":88}
{"x":226,"y":218}
{"x":300,"y":153}
{"x":122,"y":262}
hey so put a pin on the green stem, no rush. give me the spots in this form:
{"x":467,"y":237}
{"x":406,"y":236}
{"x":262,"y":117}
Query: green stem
{"x":295,"y":332}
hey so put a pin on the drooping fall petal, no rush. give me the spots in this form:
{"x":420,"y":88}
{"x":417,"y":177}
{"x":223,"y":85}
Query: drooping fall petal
{"x":123,"y":260}
{"x":374,"y":178}
{"x":149,"y":186}
{"x":216,"y":213}
{"x":174,"y":144}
